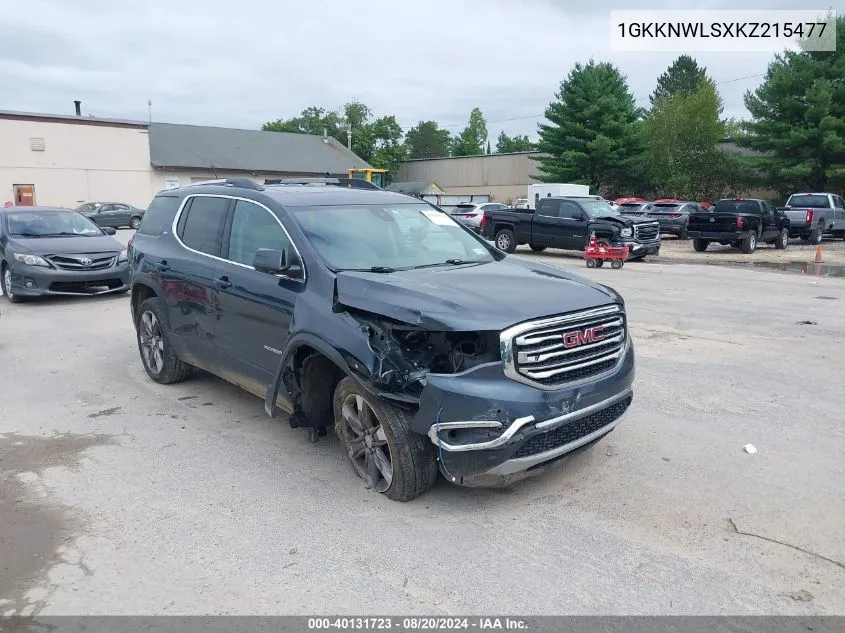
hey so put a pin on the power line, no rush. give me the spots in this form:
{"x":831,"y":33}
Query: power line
{"x":538,"y":116}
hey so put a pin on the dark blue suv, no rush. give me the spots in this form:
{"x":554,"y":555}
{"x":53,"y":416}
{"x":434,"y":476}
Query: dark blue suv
{"x":375,"y":313}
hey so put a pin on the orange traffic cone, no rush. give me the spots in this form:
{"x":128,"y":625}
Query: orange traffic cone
{"x":818,"y":259}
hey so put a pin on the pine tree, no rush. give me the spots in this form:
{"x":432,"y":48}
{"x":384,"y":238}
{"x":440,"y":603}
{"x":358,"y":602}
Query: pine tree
{"x":798,"y":118}
{"x":591,"y":135}
{"x":683,"y":76}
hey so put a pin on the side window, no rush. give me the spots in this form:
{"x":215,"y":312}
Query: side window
{"x":121,"y":207}
{"x":839,"y":202}
{"x":104,"y":207}
{"x":203,"y":227}
{"x":570,"y":210}
{"x":159,"y":215}
{"x":549,"y":208}
{"x":254,"y":227}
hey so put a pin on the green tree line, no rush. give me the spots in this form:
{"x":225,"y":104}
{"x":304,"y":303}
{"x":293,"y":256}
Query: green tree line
{"x":594,"y":132}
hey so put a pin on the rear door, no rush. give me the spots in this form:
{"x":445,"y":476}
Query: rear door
{"x":546,"y":228}
{"x":187,"y":274}
{"x":255,"y":309}
{"x":770,"y":225}
{"x":839,"y":211}
{"x":122,"y":213}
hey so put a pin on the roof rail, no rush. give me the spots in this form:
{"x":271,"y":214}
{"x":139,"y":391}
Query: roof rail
{"x":301,"y":181}
{"x":243,"y":183}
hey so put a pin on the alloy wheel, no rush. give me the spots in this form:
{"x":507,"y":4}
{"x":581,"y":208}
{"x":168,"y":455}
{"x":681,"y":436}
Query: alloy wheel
{"x":366,"y":443}
{"x":152,"y":343}
{"x":503,"y":242}
{"x":7,"y":284}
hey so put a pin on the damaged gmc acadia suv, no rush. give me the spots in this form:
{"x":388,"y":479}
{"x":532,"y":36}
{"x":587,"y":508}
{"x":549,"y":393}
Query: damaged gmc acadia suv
{"x":426,"y":348}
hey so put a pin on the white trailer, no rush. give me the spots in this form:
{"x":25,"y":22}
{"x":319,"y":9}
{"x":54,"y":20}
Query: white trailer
{"x":535,"y":192}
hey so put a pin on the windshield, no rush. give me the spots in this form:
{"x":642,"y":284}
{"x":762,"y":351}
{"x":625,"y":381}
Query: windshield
{"x":386,"y":238}
{"x":814,"y":202}
{"x":599,"y":208}
{"x":50,"y":224}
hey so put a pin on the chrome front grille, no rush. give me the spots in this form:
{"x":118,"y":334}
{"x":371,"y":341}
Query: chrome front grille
{"x":553,"y":352}
{"x":646,"y":232}
{"x":75,"y":262}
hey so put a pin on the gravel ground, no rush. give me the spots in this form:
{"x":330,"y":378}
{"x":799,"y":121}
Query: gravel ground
{"x":121,"y":496}
{"x":833,"y":252}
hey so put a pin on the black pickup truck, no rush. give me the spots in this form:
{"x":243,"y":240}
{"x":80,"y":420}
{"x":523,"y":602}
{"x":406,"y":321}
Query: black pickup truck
{"x":567,"y":223}
{"x":742,"y":223}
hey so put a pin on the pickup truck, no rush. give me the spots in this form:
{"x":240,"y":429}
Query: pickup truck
{"x":813,"y":214}
{"x":741,"y":223}
{"x":567,"y":223}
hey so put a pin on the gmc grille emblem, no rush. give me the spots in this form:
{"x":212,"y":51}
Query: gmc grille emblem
{"x":583,"y":337}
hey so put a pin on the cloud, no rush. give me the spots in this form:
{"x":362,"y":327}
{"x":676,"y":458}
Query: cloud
{"x":239,"y":64}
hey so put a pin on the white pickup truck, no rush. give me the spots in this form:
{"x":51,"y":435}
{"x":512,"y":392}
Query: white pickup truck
{"x":813,"y":214}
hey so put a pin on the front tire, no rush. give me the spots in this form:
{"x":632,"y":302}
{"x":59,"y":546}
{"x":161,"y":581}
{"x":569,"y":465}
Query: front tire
{"x":537,"y":249}
{"x":749,"y":244}
{"x":700,"y":245}
{"x":157,"y":355}
{"x":6,"y":283}
{"x":390,"y":458}
{"x":783,"y":239}
{"x":505,"y":241}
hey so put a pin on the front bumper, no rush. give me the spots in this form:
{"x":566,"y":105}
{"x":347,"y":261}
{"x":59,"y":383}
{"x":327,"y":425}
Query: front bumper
{"x":37,"y":281}
{"x":489,"y":430}
{"x":640,"y":249}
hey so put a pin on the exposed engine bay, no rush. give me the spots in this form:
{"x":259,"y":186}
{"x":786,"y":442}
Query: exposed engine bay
{"x":446,"y":352}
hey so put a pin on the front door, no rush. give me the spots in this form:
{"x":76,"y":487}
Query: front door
{"x":106,"y":215}
{"x":24,"y":195}
{"x":255,"y":308}
{"x":187,"y":275}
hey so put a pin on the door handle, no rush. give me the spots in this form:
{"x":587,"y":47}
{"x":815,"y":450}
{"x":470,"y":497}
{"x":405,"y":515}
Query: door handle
{"x":163,"y":267}
{"x":222,"y":282}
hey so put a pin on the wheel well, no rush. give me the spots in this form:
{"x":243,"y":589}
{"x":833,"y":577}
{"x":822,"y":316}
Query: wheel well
{"x":502,"y":227}
{"x":140,"y":293}
{"x":316,"y":378}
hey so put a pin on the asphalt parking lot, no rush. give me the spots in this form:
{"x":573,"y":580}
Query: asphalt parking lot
{"x":121,"y":496}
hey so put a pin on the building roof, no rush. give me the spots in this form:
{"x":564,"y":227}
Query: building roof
{"x":70,"y":118}
{"x":199,"y":147}
{"x":416,"y":188}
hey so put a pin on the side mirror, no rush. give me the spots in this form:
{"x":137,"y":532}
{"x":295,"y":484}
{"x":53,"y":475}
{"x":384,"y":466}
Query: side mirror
{"x":270,"y":261}
{"x":109,"y":230}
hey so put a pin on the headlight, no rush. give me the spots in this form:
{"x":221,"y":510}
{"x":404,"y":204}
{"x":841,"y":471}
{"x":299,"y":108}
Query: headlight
{"x":627,"y":232}
{"x":30,"y":260}
{"x":123,"y":256}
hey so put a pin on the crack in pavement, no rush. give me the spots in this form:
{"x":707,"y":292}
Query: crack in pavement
{"x":795,"y":547}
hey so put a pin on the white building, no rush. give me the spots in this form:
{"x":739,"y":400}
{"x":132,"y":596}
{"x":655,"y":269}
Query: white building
{"x":61,"y":160}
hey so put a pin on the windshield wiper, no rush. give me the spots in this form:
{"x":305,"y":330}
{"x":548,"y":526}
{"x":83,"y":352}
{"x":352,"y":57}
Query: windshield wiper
{"x":64,"y":234}
{"x":454,"y":262}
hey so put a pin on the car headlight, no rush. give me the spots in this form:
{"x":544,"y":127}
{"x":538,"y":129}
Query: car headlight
{"x":30,"y":260}
{"x":627,"y":232}
{"x":124,"y":256}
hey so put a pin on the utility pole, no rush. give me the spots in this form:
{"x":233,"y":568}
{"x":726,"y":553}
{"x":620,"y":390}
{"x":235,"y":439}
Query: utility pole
{"x":150,"y":110}
{"x":349,"y":136}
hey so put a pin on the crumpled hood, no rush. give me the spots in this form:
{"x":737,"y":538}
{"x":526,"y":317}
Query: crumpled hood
{"x":67,"y":245}
{"x":476,"y":297}
{"x":624,"y":220}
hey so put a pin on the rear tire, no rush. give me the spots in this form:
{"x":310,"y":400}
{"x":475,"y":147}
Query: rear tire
{"x":815,"y":236}
{"x":372,"y":430}
{"x":749,"y":244}
{"x":537,"y":249}
{"x":505,"y":240}
{"x":783,"y":239}
{"x":591,"y":263}
{"x":155,"y":347}
{"x":682,"y":235}
{"x":700,"y":245}
{"x":616,"y":264}
{"x":134,"y":223}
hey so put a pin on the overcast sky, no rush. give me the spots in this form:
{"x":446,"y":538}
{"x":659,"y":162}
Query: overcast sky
{"x":239,"y":64}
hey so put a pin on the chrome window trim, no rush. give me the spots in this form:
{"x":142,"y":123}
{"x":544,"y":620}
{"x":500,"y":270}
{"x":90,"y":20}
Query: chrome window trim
{"x":229,"y":261}
{"x":509,"y":335}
